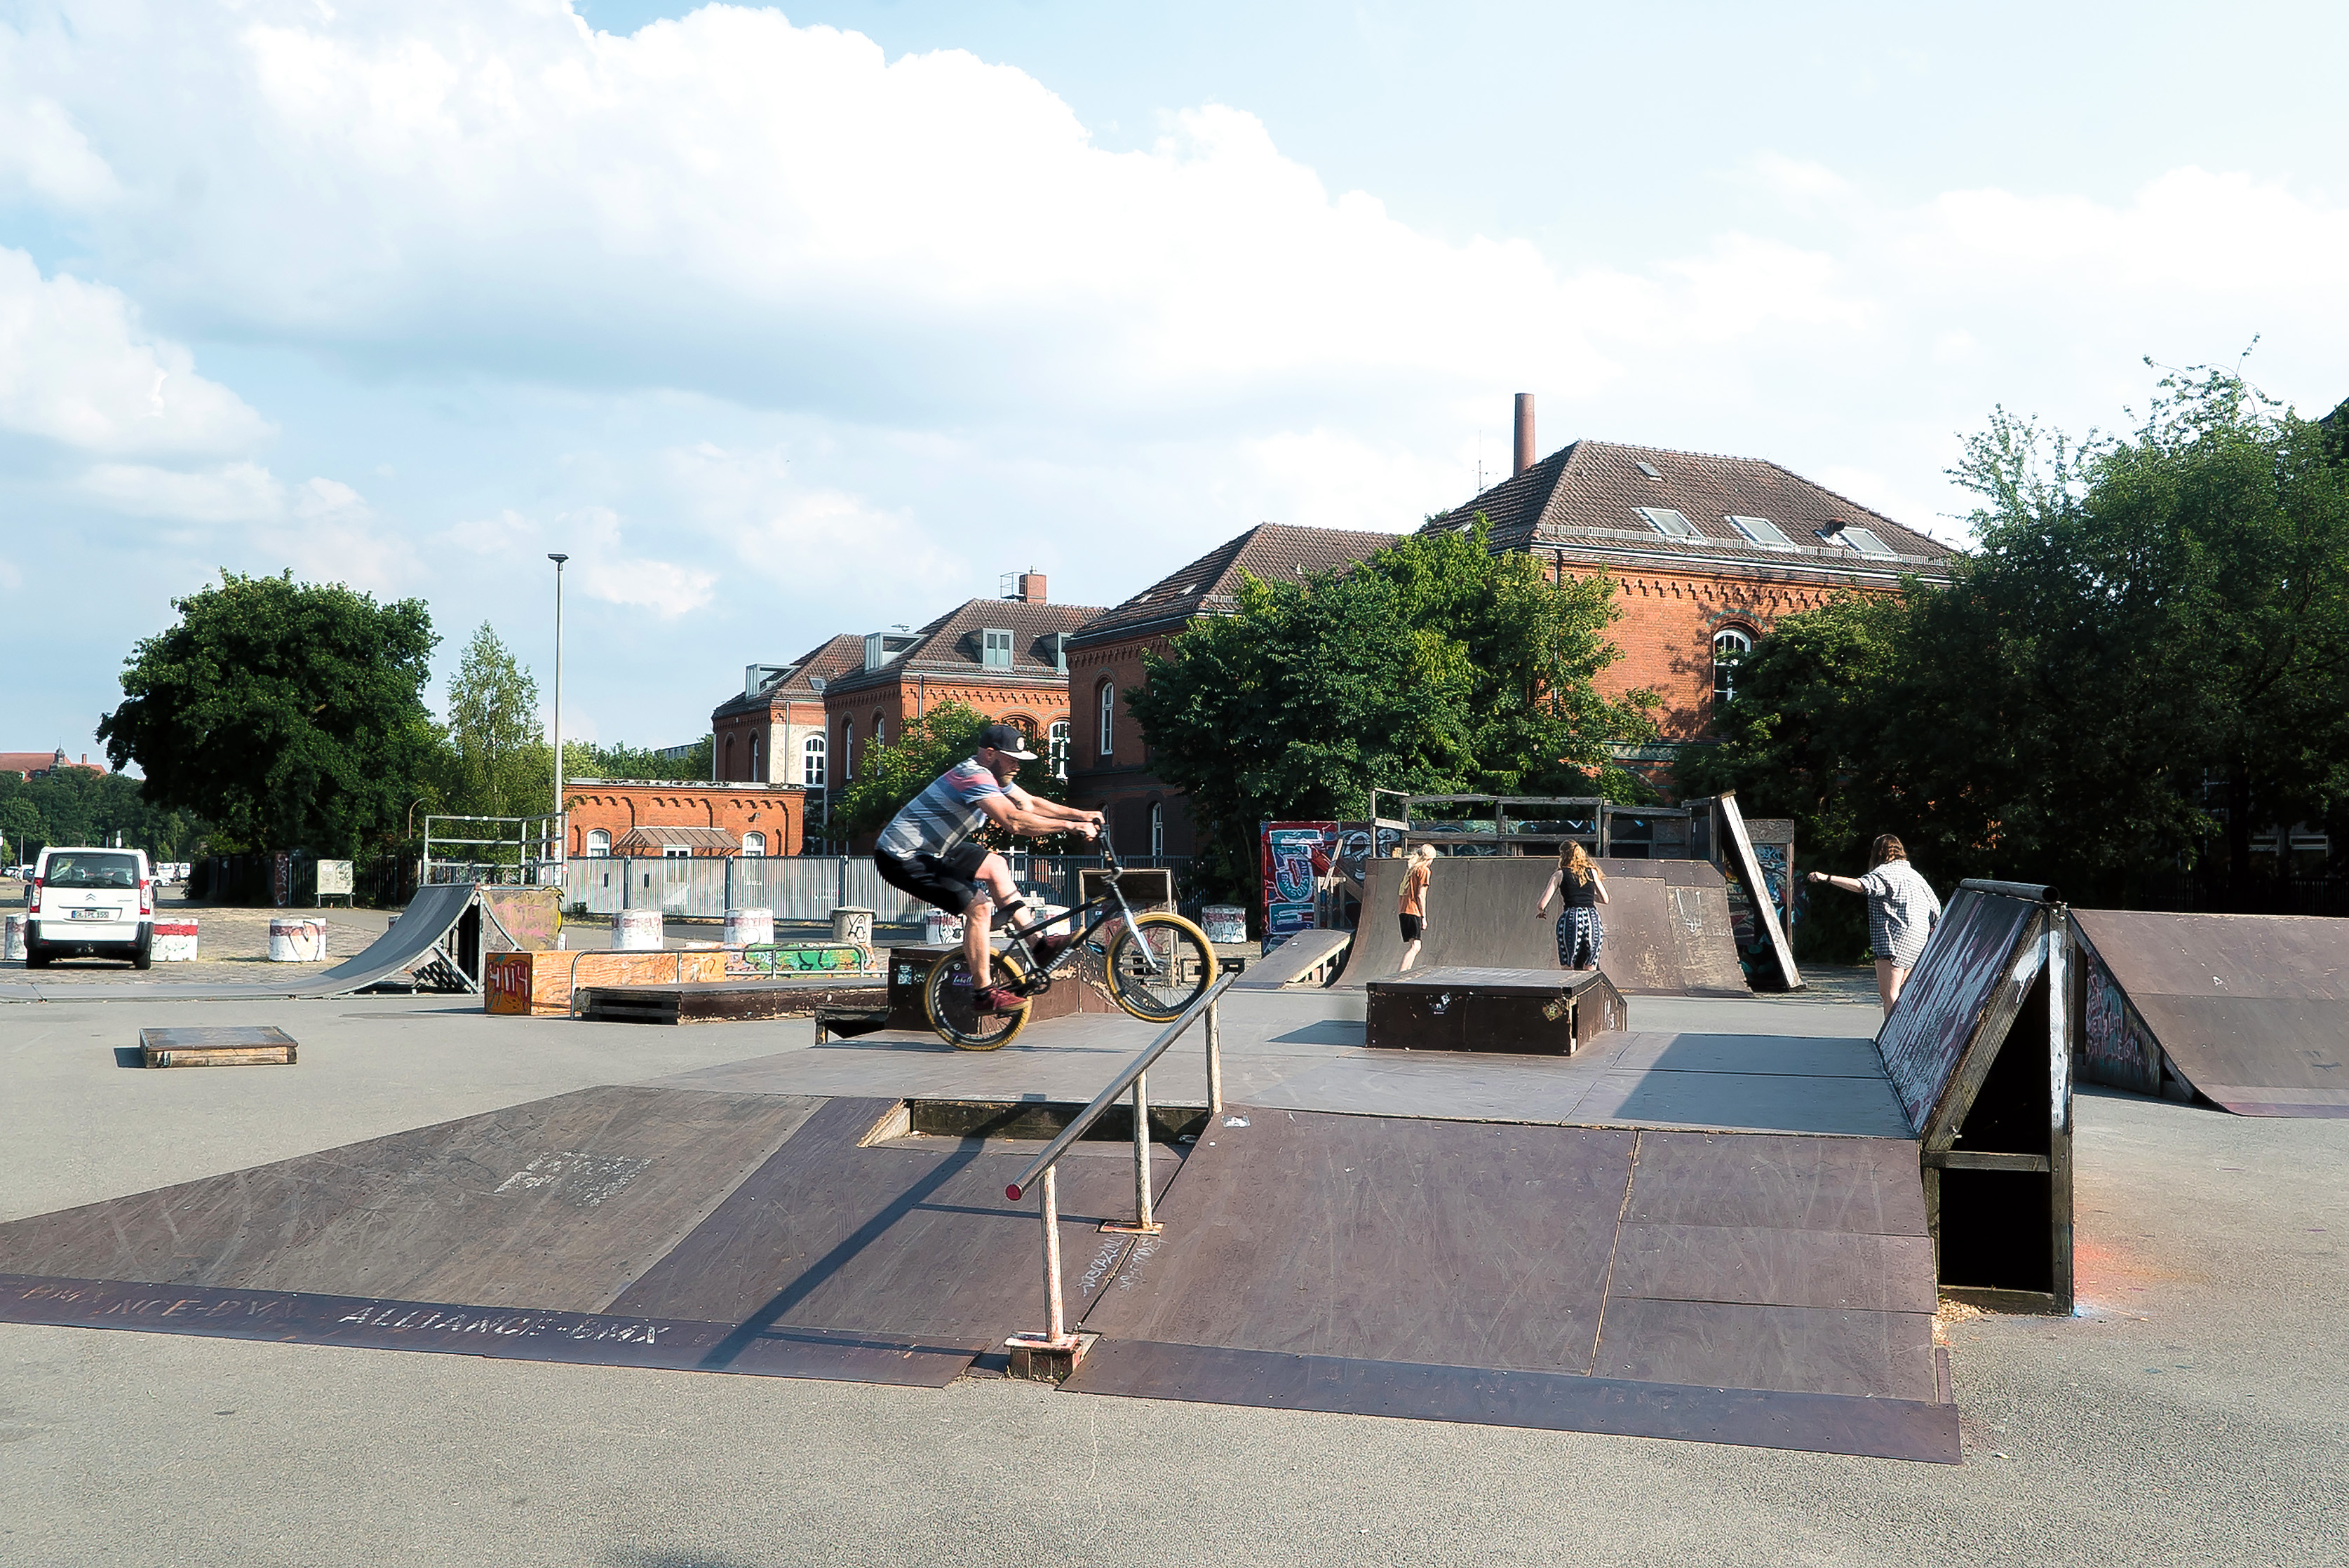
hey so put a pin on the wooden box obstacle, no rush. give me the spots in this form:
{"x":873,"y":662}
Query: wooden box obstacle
{"x":1528,"y":1012}
{"x":725,"y":1001}
{"x":250,"y":1045}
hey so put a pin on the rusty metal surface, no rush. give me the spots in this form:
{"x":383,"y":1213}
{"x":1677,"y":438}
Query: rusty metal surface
{"x":1924,"y":1430}
{"x":2252,"y":1010}
{"x":577,"y":1339}
{"x":1667,"y":923}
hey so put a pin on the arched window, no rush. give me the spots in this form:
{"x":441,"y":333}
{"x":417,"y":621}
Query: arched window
{"x":1730,"y":646}
{"x":812,"y":762}
{"x":728,"y":769}
{"x":1057,"y":757}
{"x":880,"y":729}
{"x":847,"y":748}
{"x":599,"y":842}
{"x":754,"y":844}
{"x":1106,"y":696}
{"x":755,"y":774}
{"x":1157,"y":831}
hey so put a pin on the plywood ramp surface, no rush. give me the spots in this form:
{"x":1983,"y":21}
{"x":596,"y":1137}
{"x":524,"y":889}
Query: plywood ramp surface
{"x":557,"y":1203}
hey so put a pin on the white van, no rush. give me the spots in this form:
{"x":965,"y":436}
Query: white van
{"x":90,"y":903}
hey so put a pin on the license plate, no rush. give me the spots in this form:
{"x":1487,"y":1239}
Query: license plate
{"x":94,"y":913}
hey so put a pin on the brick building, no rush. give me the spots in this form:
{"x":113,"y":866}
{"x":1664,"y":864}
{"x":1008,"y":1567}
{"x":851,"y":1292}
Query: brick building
{"x":1109,"y":766}
{"x":1706,"y":552}
{"x":41,"y":764}
{"x":775,"y":731}
{"x":665,"y":817}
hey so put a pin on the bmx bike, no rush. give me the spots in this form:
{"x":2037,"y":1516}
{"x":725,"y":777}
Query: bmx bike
{"x":1156,"y":964}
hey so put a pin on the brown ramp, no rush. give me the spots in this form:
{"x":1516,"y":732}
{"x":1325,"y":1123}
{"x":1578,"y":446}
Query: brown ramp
{"x":1775,"y":1291}
{"x":2252,"y":1011}
{"x":1667,"y":923}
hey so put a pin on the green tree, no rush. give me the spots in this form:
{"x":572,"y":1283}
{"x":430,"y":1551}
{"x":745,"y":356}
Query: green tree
{"x":287,"y":715}
{"x":585,"y":760}
{"x":890,"y":775}
{"x":1435,"y":666}
{"x":496,"y":761}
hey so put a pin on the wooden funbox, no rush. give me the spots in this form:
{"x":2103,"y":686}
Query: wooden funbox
{"x":239,"y":1046}
{"x":1530,"y":1011}
{"x":540,"y":984}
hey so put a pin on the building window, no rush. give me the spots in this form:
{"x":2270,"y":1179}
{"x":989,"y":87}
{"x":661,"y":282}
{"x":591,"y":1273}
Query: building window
{"x":812,"y":762}
{"x":880,"y":731}
{"x":1056,"y":755}
{"x":1107,"y":698}
{"x":599,"y":842}
{"x":994,"y":649}
{"x":1157,"y":831}
{"x":676,"y":853}
{"x":755,"y":774}
{"x":754,"y":844}
{"x":727,"y":766}
{"x":1730,"y":646}
{"x":847,"y":748}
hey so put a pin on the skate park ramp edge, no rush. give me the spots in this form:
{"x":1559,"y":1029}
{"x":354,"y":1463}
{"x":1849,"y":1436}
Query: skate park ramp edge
{"x":2249,"y":1011}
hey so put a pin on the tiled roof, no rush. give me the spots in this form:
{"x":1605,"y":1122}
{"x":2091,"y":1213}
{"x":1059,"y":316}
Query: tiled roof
{"x":1209,"y":584}
{"x":949,"y":645}
{"x":827,"y":661}
{"x":31,"y":762}
{"x":1585,"y":499}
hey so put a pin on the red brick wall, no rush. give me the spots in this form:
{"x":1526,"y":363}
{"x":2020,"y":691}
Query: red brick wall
{"x":1121,"y":783}
{"x":900,"y":699}
{"x":617,"y":806}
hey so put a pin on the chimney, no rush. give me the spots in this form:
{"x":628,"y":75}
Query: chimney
{"x":1031,"y":587}
{"x":1525,"y":434}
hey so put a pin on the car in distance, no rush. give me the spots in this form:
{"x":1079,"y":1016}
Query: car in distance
{"x":90,"y":903}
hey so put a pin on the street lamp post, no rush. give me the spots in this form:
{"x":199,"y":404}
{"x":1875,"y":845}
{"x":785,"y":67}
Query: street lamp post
{"x":562,"y":828}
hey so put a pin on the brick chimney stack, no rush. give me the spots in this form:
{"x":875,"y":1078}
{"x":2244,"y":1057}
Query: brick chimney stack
{"x":1031,"y":587}
{"x":1525,"y":434}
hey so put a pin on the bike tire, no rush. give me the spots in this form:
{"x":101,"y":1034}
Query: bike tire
{"x":1184,"y":966}
{"x":947,"y":999}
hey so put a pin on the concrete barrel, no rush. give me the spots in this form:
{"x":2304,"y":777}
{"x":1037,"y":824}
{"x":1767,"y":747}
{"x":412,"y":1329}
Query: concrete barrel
{"x":750,"y":927}
{"x":850,"y":923}
{"x":1224,"y":923}
{"x":12,"y":934}
{"x":940,"y":929}
{"x":637,"y":931}
{"x":175,"y":941}
{"x":293,"y":940}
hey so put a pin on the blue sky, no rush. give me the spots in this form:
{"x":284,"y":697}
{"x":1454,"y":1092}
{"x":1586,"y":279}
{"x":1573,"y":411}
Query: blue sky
{"x":787,"y":323}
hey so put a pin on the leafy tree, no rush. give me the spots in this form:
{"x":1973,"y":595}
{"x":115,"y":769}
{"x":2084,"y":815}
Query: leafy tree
{"x":890,"y":775}
{"x":585,"y":760}
{"x":287,"y":714}
{"x":1434,"y":667}
{"x":495,"y":761}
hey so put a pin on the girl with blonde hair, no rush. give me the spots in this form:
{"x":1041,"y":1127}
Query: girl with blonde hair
{"x":1581,"y":931}
{"x":1411,"y":907}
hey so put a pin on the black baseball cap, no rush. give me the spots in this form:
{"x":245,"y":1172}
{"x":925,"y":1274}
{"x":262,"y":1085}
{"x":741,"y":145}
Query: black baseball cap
{"x":1007,"y":739}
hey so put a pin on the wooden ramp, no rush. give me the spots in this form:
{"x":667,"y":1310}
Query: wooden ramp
{"x":1775,"y":1291}
{"x":2249,"y":1011}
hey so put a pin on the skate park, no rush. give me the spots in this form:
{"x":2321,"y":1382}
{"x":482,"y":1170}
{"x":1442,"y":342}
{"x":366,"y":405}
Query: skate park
{"x":1717,"y":1223}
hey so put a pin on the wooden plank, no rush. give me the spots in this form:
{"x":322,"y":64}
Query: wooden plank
{"x":559,"y":1203}
{"x":218,"y":1056}
{"x":1757,"y":1266}
{"x":1864,"y":1186}
{"x":1798,"y":1349}
{"x":1757,"y":892}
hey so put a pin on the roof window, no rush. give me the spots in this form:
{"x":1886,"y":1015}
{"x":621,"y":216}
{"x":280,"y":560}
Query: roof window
{"x":1857,"y":539}
{"x":1646,"y":469}
{"x":1759,"y":531}
{"x":994,"y":649}
{"x":1667,"y":522}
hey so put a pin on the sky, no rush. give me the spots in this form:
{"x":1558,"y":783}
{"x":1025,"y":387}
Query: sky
{"x":786,"y":323}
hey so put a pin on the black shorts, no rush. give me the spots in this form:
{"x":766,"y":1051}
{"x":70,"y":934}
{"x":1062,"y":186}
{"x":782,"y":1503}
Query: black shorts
{"x":946,"y":880}
{"x":1414,"y":928}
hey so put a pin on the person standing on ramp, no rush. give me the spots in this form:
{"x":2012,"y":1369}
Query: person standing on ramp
{"x":930,"y":849}
{"x":1580,"y":933}
{"x":1411,"y":907}
{"x":1902,"y":908}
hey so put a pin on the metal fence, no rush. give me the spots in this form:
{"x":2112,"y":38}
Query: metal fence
{"x":798,"y":887}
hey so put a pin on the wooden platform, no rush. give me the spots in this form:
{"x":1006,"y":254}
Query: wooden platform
{"x":1523,"y":1012}
{"x":725,"y":1001}
{"x":247,"y":1046}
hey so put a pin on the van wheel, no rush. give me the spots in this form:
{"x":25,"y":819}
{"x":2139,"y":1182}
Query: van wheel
{"x":35,"y":955}
{"x":143,"y":956}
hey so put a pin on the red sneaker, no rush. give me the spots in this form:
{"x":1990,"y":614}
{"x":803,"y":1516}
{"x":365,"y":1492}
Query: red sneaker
{"x":1048,"y":948}
{"x":996,"y":999}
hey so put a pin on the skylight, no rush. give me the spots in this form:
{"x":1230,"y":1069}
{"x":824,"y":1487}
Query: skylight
{"x":1646,"y":469}
{"x":1667,"y":522}
{"x":1866,"y":543}
{"x":1760,"y":530}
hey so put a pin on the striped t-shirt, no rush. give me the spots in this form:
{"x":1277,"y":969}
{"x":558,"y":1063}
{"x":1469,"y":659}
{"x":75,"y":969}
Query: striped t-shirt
{"x":941,"y":817}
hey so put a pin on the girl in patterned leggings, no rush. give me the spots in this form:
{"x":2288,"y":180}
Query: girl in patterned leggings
{"x":1580,"y":933}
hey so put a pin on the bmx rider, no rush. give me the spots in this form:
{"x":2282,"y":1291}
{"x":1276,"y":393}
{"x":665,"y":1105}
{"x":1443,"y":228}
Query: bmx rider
{"x":929,"y":849}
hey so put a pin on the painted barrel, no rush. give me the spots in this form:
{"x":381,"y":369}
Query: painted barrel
{"x":297,"y":941}
{"x":1224,"y":923}
{"x":851,"y":924}
{"x":12,"y":933}
{"x":637,"y":931}
{"x":750,"y":927}
{"x":940,"y":929}
{"x":175,"y":941}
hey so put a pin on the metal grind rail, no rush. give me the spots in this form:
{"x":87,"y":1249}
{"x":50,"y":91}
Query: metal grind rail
{"x":1134,"y":1076}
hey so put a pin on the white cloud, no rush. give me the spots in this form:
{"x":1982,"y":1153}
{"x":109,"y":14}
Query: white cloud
{"x":321,"y":528}
{"x":42,"y":153}
{"x":232,"y":493}
{"x":77,"y":369}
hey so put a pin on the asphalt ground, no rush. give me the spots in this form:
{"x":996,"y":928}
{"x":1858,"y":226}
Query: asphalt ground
{"x":2196,"y":1411}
